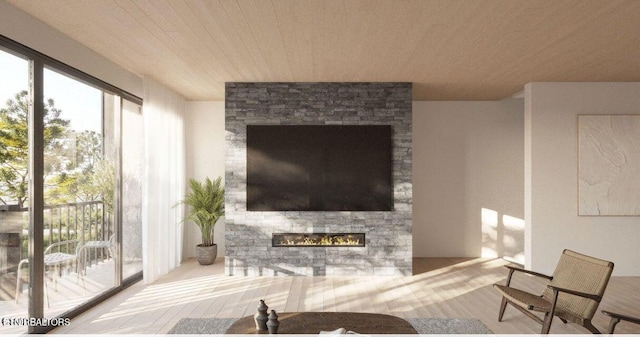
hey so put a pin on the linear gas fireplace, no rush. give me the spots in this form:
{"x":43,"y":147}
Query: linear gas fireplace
{"x":317,"y":240}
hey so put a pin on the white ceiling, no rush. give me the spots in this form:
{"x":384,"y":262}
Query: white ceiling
{"x":449,"y":49}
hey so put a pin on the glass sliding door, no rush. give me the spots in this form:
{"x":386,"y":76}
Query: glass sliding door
{"x":79,"y":187}
{"x":14,"y":189}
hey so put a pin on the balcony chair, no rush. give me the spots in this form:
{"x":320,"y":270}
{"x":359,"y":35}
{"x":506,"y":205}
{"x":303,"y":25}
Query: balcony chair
{"x":53,"y":259}
{"x":97,"y":245}
{"x":573,"y":293}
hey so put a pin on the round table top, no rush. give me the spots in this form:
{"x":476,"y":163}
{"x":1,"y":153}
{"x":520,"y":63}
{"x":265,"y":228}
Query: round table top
{"x":314,"y":322}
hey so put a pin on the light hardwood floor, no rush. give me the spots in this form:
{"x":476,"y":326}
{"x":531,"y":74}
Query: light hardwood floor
{"x":440,"y":288}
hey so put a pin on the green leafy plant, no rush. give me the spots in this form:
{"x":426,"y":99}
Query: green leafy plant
{"x":206,"y":206}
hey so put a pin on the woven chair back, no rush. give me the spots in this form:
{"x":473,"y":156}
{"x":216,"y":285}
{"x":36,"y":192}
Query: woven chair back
{"x":582,"y":273}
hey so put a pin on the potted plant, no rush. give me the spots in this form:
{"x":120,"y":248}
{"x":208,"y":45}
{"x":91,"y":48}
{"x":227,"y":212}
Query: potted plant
{"x":206,"y":206}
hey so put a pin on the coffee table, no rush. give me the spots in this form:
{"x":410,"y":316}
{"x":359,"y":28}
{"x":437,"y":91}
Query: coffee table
{"x":314,"y":322}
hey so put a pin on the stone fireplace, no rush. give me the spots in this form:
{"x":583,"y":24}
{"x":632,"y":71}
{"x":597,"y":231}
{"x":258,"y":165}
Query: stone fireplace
{"x":385,"y":246}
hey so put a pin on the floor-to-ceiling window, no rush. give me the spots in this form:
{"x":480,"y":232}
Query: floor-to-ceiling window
{"x":71,"y":160}
{"x":14,"y":177}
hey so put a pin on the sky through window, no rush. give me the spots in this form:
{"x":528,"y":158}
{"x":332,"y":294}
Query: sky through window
{"x":80,"y":103}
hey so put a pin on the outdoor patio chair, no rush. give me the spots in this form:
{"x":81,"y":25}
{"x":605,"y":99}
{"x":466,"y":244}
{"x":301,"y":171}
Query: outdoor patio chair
{"x":573,"y":293}
{"x":95,"y":245}
{"x":55,"y":258}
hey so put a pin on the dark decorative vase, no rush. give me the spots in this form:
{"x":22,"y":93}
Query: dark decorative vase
{"x":261,"y":316}
{"x":272,"y":323}
{"x":206,"y":254}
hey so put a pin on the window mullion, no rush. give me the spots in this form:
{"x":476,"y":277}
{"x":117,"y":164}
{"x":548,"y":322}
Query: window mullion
{"x":36,"y":194}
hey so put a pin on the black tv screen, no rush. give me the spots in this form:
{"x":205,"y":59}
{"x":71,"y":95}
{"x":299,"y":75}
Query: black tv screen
{"x":319,"y":168}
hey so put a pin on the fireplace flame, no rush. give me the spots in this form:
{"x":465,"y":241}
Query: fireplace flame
{"x":324,"y":241}
{"x":320,"y":240}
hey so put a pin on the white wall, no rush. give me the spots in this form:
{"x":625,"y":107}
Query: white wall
{"x":33,"y":33}
{"x":551,"y":210}
{"x":468,"y":179}
{"x":204,"y":130}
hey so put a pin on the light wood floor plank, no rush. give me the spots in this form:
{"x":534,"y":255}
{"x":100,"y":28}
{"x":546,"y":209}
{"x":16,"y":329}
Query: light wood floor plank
{"x":294,"y":299}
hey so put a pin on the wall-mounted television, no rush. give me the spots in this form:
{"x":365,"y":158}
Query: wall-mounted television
{"x":319,"y":168}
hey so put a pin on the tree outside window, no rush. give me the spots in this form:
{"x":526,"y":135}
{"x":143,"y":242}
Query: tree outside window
{"x":75,"y":169}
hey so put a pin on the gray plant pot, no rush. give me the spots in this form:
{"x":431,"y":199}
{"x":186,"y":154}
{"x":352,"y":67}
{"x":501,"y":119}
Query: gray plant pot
{"x":206,"y":255}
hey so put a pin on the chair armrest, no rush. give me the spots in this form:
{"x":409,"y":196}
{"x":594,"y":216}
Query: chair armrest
{"x":576,"y":293}
{"x":514,"y":268}
{"x":621,"y":317}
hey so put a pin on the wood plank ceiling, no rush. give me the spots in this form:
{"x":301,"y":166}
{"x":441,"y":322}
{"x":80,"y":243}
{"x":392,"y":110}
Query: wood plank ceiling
{"x":449,"y":49}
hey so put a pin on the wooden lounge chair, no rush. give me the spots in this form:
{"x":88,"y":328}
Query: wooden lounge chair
{"x":573,"y":294}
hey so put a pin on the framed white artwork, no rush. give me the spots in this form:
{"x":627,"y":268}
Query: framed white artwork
{"x":609,"y":165}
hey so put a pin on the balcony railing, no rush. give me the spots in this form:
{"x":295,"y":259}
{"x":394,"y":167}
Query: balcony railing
{"x":81,"y":221}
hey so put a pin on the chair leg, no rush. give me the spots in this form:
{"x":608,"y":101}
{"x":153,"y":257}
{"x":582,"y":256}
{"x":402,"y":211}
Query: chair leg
{"x":19,"y":279}
{"x":18,"y":287}
{"x":612,"y":324}
{"x":46,"y":291}
{"x":84,"y":287}
{"x":503,"y":306}
{"x":83,"y":262}
{"x":546,"y":325}
{"x":591,"y":328}
{"x":56,"y":271}
{"x":548,"y":316}
{"x":113,"y":256}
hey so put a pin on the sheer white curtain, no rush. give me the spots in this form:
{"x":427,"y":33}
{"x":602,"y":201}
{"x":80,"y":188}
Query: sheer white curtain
{"x":164,"y":180}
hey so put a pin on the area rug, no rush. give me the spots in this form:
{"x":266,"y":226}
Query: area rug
{"x":466,"y":326}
